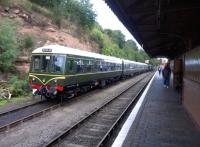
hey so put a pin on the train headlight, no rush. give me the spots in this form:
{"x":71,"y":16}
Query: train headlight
{"x":55,"y":92}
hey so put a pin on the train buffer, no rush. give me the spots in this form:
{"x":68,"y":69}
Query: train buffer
{"x":161,"y":121}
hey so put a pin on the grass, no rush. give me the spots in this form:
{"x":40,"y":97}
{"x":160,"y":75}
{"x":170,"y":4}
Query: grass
{"x":3,"y":102}
{"x":14,"y":100}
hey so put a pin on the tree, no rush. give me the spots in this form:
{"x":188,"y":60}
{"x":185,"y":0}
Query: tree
{"x":78,"y":11}
{"x":117,"y":36}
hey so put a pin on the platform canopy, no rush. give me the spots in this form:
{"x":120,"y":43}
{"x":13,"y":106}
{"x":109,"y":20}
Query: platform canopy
{"x":163,"y":27}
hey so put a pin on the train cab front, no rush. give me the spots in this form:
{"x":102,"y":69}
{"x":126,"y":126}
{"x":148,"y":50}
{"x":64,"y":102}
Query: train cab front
{"x":46,"y":75}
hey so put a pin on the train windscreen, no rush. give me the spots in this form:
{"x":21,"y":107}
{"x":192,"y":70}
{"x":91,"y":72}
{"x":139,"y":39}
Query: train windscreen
{"x":48,"y":64}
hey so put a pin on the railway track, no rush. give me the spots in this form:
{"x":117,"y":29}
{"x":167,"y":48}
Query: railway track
{"x":96,"y":127}
{"x":18,"y":116}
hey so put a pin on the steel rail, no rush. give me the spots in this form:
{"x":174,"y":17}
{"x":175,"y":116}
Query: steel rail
{"x":20,"y":108}
{"x":129,"y":107}
{"x":76,"y":125}
{"x":29,"y":117}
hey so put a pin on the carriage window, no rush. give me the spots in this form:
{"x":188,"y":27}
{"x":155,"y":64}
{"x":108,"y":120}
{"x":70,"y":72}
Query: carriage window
{"x":91,"y":66}
{"x":58,"y":64}
{"x":79,"y":65}
{"x":104,"y":66}
{"x":88,"y":65}
{"x":97,"y":65}
{"x":36,"y":63}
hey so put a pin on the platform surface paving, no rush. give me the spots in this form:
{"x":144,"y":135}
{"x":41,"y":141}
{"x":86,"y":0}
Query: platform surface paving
{"x":162,"y":121}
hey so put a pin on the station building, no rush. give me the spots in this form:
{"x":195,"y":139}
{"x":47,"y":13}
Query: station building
{"x":168,"y":29}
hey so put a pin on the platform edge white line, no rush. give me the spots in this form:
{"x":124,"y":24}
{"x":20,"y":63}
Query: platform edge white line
{"x":127,"y":125}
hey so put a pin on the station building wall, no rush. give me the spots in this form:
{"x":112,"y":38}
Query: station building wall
{"x":191,"y":84}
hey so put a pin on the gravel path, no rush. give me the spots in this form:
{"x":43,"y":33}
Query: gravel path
{"x":36,"y":132}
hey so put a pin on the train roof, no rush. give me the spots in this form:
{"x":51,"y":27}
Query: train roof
{"x":57,"y":49}
{"x":134,"y":62}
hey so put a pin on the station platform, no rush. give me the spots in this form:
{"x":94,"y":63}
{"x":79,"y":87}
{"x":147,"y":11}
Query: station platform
{"x":161,"y":121}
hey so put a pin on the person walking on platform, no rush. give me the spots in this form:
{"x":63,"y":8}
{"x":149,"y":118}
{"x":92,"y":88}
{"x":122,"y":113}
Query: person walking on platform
{"x":166,"y":72}
{"x":159,"y":70}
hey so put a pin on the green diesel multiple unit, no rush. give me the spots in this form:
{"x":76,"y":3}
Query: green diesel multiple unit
{"x":62,"y":71}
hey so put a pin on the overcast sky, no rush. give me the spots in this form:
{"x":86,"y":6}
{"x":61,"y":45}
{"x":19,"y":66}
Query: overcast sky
{"x":107,"y":19}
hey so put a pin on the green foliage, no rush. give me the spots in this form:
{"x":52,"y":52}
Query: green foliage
{"x":30,"y":7}
{"x":116,"y":36}
{"x":3,"y":102}
{"x":8,"y":44}
{"x":18,"y":87}
{"x":154,"y":61}
{"x":113,"y":43}
{"x":110,"y":48}
{"x":97,"y":35}
{"x":5,"y":2}
{"x":29,"y":41}
{"x":57,"y":13}
{"x":79,"y":12}
{"x":130,"y":48}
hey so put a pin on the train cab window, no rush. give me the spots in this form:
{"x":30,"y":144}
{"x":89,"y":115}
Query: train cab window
{"x":36,"y":63}
{"x":45,"y":63}
{"x":58,"y":64}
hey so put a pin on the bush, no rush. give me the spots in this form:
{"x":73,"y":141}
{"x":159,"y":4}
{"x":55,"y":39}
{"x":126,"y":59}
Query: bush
{"x":97,"y":36}
{"x":29,"y":41}
{"x":8,"y":44}
{"x":18,"y":87}
{"x":57,"y":14}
